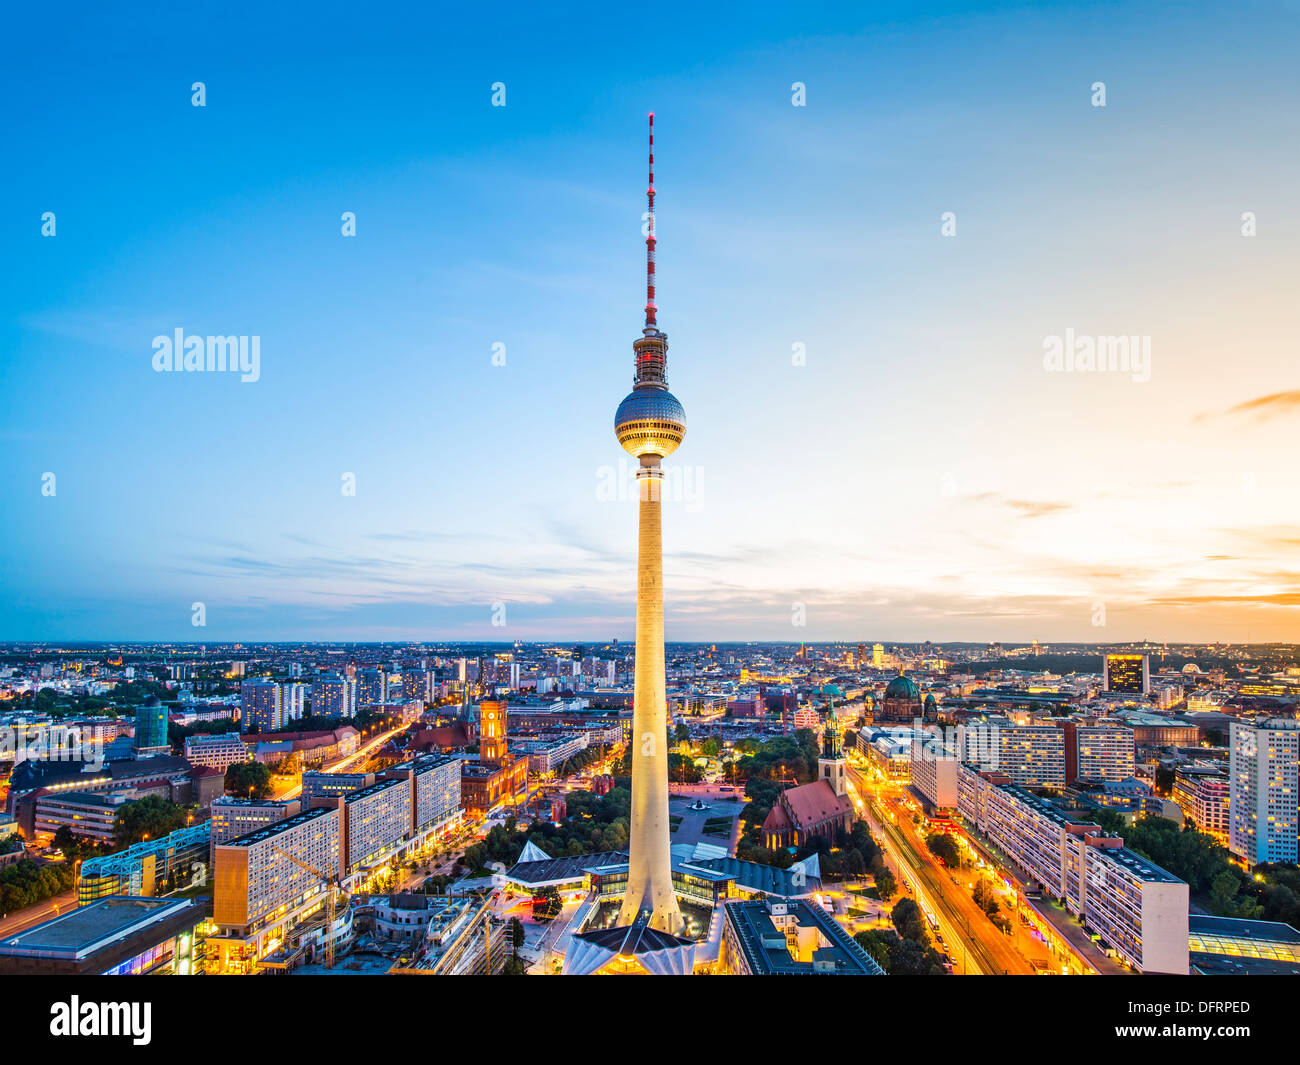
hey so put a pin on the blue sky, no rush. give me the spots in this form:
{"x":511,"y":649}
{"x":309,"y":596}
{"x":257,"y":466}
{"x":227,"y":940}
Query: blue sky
{"x":921,"y":476}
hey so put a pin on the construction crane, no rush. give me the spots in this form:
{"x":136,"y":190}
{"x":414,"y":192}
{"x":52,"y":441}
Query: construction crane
{"x":331,"y":883}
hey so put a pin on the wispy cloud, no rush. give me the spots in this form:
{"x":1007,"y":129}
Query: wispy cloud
{"x":1261,"y":408}
{"x":1029,"y":508}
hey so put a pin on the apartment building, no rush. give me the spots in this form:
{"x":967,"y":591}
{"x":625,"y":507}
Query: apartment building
{"x":1265,"y":777}
{"x":261,"y":705}
{"x":262,"y":890}
{"x":1030,"y":755}
{"x":218,"y":751}
{"x":377,"y":823}
{"x":1098,"y":752}
{"x":1203,"y":792}
{"x":934,"y":771}
{"x":233,"y":817}
{"x":1139,"y":909}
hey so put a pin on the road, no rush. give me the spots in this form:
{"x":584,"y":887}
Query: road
{"x":41,"y":911}
{"x":976,"y":946}
{"x":344,"y":763}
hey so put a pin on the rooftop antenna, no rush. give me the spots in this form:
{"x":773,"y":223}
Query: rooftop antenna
{"x":650,"y":238}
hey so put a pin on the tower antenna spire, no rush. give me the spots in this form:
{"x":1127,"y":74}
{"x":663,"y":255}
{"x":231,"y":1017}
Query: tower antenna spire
{"x":650,"y":237}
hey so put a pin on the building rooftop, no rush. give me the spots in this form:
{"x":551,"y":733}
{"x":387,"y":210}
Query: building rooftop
{"x":553,"y":870}
{"x":1205,"y":925}
{"x":1140,"y":867}
{"x":765,"y":946}
{"x":266,"y":832}
{"x":87,"y":929}
{"x":754,"y":876}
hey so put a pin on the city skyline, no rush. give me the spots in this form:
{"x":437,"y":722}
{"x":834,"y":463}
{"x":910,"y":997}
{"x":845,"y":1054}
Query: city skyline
{"x":920,"y":474}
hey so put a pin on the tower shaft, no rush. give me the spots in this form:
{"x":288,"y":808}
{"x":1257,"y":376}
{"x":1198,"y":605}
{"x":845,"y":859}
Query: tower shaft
{"x":650,"y":885}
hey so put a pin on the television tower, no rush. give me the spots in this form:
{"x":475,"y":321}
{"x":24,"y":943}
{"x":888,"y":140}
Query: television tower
{"x":650,"y":424}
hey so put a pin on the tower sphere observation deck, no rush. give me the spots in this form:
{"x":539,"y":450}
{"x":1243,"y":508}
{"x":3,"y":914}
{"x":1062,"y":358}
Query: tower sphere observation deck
{"x":650,"y":421}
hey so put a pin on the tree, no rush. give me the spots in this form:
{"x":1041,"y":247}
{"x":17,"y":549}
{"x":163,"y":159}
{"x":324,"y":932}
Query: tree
{"x":886,"y":884}
{"x":908,"y":920}
{"x":514,"y":967}
{"x":516,"y":933}
{"x":944,"y":848}
{"x":249,"y":779}
{"x":911,"y":958}
{"x":149,"y":818}
{"x":879,"y":943}
{"x":900,"y":957}
{"x":67,"y":842}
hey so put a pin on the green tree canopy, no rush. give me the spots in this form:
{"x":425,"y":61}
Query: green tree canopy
{"x":249,"y":779}
{"x":149,"y":818}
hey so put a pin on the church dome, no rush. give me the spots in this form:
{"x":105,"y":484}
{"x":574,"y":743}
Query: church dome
{"x":902,"y":688}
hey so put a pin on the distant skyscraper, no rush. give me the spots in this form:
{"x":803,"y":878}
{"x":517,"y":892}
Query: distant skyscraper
{"x":1265,"y":779}
{"x":878,"y":656}
{"x":330,"y":696}
{"x":417,"y":685}
{"x":294,"y":698}
{"x":370,"y":687}
{"x":650,"y":424}
{"x":151,"y":728}
{"x":261,"y":705}
{"x":1127,"y":674}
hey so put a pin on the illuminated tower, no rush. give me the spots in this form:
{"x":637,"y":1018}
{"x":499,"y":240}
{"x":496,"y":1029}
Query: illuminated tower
{"x":650,"y":423}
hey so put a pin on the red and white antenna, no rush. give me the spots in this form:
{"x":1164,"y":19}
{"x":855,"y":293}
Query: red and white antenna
{"x":650,"y":237}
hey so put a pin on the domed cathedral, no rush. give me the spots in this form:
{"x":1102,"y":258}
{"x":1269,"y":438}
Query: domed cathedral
{"x":902,"y":702}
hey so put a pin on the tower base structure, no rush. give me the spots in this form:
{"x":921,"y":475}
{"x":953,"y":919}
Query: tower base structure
{"x":650,"y":892}
{"x":628,"y":949}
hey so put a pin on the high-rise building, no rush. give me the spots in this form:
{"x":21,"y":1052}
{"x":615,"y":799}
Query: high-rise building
{"x":1127,"y":674}
{"x":417,"y":685}
{"x":1265,"y":777}
{"x":261,"y":705}
{"x":151,"y":729}
{"x":218,"y":751}
{"x":650,"y":424}
{"x":934,"y":769}
{"x":233,"y":817}
{"x":332,"y":696}
{"x":370,"y":687}
{"x":1098,"y":752}
{"x":1032,"y":756}
{"x":878,"y":656}
{"x":294,"y":699}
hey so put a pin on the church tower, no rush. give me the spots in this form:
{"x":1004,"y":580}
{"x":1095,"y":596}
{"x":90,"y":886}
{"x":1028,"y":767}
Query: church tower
{"x":831,"y":766}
